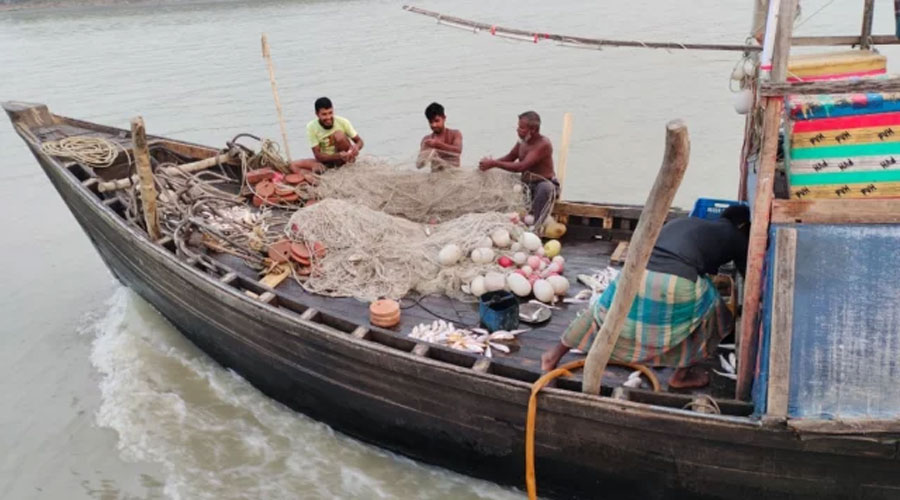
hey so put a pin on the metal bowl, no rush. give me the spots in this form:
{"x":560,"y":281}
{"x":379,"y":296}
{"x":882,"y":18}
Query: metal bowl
{"x":534,"y":313}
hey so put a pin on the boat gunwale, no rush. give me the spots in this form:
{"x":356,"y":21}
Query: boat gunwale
{"x":290,"y":315}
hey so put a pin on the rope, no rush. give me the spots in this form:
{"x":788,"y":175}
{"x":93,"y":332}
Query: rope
{"x":530,"y":483}
{"x":95,"y":152}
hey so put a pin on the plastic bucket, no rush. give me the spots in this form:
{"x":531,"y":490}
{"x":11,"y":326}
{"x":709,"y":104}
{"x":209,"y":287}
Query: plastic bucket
{"x":499,"y":311}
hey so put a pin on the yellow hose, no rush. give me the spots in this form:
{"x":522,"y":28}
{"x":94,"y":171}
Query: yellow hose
{"x":545,"y":379}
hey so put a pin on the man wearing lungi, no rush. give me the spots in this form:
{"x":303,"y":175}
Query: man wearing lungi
{"x":532,"y":155}
{"x":677,"y":318}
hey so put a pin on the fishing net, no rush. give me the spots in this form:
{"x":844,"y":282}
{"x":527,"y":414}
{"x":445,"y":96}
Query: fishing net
{"x":423,"y":197}
{"x":371,"y":254}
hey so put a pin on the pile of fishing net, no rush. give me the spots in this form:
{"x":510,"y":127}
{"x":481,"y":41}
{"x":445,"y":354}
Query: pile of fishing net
{"x":370,"y":254}
{"x":417,"y":196}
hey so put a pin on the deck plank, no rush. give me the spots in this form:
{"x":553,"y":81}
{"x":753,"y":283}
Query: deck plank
{"x":582,"y":257}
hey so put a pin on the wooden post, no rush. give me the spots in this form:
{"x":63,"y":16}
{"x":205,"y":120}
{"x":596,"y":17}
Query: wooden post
{"x":782,"y":323}
{"x":563,"y":158}
{"x":678,"y":147}
{"x":758,"y":25}
{"x":762,"y":203}
{"x":267,"y":55}
{"x":865,"y":37}
{"x":145,"y":174}
{"x":897,"y":18}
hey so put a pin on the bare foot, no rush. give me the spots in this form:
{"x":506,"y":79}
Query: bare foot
{"x":551,"y":357}
{"x":689,"y":377}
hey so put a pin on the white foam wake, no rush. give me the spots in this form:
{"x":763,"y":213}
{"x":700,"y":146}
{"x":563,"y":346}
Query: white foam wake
{"x":218,"y":437}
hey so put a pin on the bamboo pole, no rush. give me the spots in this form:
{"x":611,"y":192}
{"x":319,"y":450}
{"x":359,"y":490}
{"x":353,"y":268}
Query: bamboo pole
{"x":267,"y":55}
{"x":865,"y":37}
{"x":563,"y":158}
{"x":576,"y":41}
{"x":145,"y":173}
{"x":653,"y":217}
{"x":187,"y":168}
{"x":762,"y":204}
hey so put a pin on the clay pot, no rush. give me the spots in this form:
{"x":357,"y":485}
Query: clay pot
{"x":384,"y":313}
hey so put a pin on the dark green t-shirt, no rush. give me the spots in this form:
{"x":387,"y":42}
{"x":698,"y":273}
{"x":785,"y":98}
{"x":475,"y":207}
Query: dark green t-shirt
{"x":689,"y":246}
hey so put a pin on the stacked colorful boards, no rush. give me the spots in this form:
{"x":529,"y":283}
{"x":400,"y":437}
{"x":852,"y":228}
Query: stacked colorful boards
{"x":836,"y":65}
{"x":844,"y":146}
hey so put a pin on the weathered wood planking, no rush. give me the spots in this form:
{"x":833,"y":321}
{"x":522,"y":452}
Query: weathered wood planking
{"x":824,"y":211}
{"x":782,"y":323}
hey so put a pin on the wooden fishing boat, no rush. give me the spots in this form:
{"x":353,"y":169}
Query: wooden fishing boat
{"x":320,"y":356}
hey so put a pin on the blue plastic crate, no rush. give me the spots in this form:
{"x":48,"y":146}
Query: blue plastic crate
{"x":708,"y":208}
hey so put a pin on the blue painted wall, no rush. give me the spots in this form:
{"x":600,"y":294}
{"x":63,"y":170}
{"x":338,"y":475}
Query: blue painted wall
{"x":845,"y":350}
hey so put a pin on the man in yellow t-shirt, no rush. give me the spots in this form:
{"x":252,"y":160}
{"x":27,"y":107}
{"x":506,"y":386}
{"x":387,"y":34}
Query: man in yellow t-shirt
{"x":332,"y":138}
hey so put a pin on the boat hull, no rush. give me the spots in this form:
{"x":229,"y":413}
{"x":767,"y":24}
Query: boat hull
{"x":469,"y":421}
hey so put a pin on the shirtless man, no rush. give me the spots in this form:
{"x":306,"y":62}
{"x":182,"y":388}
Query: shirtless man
{"x":443,"y":146}
{"x":533,"y":157}
{"x":332,"y":138}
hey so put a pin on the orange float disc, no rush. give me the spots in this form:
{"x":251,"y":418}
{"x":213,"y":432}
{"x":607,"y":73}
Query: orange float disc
{"x":281,"y":251}
{"x":265,"y":189}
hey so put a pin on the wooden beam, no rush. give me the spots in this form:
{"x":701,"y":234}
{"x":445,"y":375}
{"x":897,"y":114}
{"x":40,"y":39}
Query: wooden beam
{"x":563,"y":158}
{"x":145,"y":173}
{"x":782,"y":51}
{"x":187,"y":168}
{"x":782,"y":323}
{"x":762,"y":204}
{"x":421,"y":350}
{"x":309,"y":314}
{"x":483,"y":365}
{"x":620,"y":253}
{"x":360,"y":333}
{"x":867,"y":426}
{"x":865,"y":37}
{"x":824,"y":41}
{"x":880,"y":211}
{"x":535,"y":36}
{"x":778,"y":89}
{"x":756,"y":251}
{"x":656,"y":209}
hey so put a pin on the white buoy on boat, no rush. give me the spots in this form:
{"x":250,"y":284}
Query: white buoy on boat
{"x":500,"y":237}
{"x":477,"y":286}
{"x":530,"y":241}
{"x":494,"y":281}
{"x":543,"y":291}
{"x":743,"y":100}
{"x":482,"y":255}
{"x":449,"y":255}
{"x":518,"y":284}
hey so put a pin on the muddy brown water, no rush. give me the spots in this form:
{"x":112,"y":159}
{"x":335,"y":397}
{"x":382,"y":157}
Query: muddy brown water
{"x":103,"y":399}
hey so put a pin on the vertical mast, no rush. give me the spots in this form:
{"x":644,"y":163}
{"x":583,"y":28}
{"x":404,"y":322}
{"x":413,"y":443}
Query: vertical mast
{"x":762,"y":203}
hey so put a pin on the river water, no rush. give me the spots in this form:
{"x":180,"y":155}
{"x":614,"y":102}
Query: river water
{"x":102,"y":398}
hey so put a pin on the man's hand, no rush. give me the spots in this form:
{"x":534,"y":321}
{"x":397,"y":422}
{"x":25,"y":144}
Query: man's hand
{"x":432,"y":143}
{"x":486,"y":163}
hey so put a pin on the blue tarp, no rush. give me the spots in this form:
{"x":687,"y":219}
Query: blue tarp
{"x":845,"y":348}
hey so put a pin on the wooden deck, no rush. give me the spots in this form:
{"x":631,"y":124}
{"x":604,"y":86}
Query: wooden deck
{"x":523,"y":362}
{"x":584,"y":254}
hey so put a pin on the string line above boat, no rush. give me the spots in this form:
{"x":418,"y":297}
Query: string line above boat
{"x":570,"y":40}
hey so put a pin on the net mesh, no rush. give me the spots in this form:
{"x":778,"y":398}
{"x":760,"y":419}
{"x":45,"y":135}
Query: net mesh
{"x":371,"y":254}
{"x":414,"y":195}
